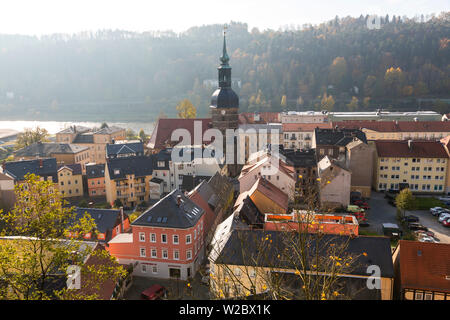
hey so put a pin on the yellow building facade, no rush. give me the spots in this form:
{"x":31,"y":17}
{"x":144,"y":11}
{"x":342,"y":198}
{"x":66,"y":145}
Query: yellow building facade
{"x":70,"y":181}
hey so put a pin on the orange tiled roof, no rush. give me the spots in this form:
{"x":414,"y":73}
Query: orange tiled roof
{"x":425,"y":265}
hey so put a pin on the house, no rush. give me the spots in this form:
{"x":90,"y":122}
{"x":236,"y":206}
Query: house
{"x":7,"y":196}
{"x":333,"y":142}
{"x":399,"y":130}
{"x":109,"y":223}
{"x":94,"y":140}
{"x":238,"y":254}
{"x":248,"y":213}
{"x":70,"y":180}
{"x":128,"y":149}
{"x":64,"y":153}
{"x":334,"y":183}
{"x":45,"y":168}
{"x":166,"y":241}
{"x":162,"y":163}
{"x":271,"y":167}
{"x":162,"y":133}
{"x":266,"y":197}
{"x":127,"y":180}
{"x":422,"y":270}
{"x":421,"y":165}
{"x":297,"y":136}
{"x":95,"y":176}
{"x":359,"y":161}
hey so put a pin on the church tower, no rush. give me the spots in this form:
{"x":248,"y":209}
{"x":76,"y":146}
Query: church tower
{"x":224,"y":101}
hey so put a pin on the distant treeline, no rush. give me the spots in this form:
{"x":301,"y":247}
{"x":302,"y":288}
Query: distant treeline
{"x":118,"y":75}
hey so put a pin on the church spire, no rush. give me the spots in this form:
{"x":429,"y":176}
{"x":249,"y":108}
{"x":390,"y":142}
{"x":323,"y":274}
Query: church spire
{"x":224,"y":58}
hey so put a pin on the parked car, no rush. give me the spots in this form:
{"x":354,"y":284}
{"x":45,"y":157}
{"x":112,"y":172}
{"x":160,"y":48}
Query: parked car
{"x":443,"y":216}
{"x":410,"y":218}
{"x":444,"y":198}
{"x":437,"y":212}
{"x":427,"y":239}
{"x":392,"y":230}
{"x":155,"y":292}
{"x":416,"y":226}
{"x":446,"y":222}
{"x":427,"y":233}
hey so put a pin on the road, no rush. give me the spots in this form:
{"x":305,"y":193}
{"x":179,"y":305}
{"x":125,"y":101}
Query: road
{"x":382,"y":212}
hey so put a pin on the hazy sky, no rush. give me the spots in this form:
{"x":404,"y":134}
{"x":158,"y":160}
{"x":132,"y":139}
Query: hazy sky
{"x":38,"y":17}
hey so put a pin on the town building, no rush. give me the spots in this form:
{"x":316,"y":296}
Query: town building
{"x":238,"y":268}
{"x":96,"y":140}
{"x":266,"y":197}
{"x":46,"y":169}
{"x":127,"y":180}
{"x":95,"y":177}
{"x":381,"y":115}
{"x":399,"y":130}
{"x":359,"y":161}
{"x":259,"y":117}
{"x":333,"y":142}
{"x":445,"y":143}
{"x":166,"y":241}
{"x":271,"y":167}
{"x":70,"y":180}
{"x":303,"y":117}
{"x":255,"y":137}
{"x":334,"y":183}
{"x":299,"y":136}
{"x":7,"y":196}
{"x":422,"y":271}
{"x":64,"y":153}
{"x":419,"y":165}
{"x":127,"y":149}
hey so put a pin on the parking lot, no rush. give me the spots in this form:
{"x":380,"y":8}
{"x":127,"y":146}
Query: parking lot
{"x":382,"y":212}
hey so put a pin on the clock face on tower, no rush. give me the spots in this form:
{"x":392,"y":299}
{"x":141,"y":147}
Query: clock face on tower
{"x":223,"y":112}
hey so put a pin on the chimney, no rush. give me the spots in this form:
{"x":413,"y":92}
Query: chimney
{"x":41,"y":163}
{"x":121,"y":219}
{"x":178,"y":200}
{"x":409,"y":144}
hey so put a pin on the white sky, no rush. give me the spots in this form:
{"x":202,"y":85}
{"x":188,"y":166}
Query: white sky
{"x":37,"y":17}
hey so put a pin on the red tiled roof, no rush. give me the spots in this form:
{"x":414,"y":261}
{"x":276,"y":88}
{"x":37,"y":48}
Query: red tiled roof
{"x":271,"y":192}
{"x":425,"y":265}
{"x":302,"y":127}
{"x":396,"y":126}
{"x":419,"y":149}
{"x":163,"y":130}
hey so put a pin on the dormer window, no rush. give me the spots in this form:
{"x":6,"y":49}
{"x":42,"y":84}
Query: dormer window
{"x":116,"y":171}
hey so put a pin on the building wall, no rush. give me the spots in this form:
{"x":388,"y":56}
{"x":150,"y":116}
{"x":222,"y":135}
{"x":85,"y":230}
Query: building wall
{"x":96,"y":187}
{"x":298,"y":140}
{"x":131,"y":191}
{"x":70,"y":185}
{"x":303,"y":118}
{"x":374,"y":135}
{"x":131,"y":252}
{"x":360,"y":163}
{"x":337,"y":192}
{"x":266,"y":205}
{"x":399,"y":170}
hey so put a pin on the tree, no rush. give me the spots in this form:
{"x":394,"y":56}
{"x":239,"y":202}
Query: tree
{"x":104,"y":125}
{"x":404,"y":200}
{"x":30,"y":136}
{"x":393,"y":80}
{"x":49,"y":243}
{"x":338,"y":72}
{"x":186,"y":110}
{"x":327,"y":102}
{"x":142,"y":135}
{"x":131,"y":135}
{"x":353,"y":105}
{"x":118,"y":203}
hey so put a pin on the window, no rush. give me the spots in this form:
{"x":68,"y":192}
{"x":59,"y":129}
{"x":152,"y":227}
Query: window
{"x":175,"y":239}
{"x":188,"y":239}
{"x":141,"y":236}
{"x":176,"y":255}
{"x":144,"y":268}
{"x":152,"y":237}
{"x":165,"y":255}
{"x":164,"y":238}
{"x":418,"y":296}
{"x":154,"y":269}
{"x":154,"y":253}
{"x":142,"y":252}
{"x":189,"y":255}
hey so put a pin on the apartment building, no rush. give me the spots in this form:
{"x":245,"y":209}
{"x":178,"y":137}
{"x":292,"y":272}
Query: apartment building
{"x":46,"y":169}
{"x":70,"y":180}
{"x":299,"y":136}
{"x":303,"y":117}
{"x":166,"y":241}
{"x":333,"y":142}
{"x":95,"y":176}
{"x":399,"y":130}
{"x":128,"y":180}
{"x":419,"y":165}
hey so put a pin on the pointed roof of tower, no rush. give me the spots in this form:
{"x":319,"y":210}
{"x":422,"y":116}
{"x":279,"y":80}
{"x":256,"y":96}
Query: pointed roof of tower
{"x":224,"y":58}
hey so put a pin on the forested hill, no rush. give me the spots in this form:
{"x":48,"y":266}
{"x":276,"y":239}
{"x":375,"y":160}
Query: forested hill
{"x":119,"y":75}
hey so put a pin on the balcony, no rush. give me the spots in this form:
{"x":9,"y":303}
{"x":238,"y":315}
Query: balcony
{"x":138,"y":194}
{"x":140,"y":184}
{"x":122,"y":187}
{"x":122,"y":196}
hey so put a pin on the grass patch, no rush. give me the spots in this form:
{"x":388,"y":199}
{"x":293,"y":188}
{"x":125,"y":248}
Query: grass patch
{"x":425,"y":203}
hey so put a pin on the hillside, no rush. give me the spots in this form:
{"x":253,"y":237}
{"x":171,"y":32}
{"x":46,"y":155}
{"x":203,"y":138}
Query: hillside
{"x":120,"y":75}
